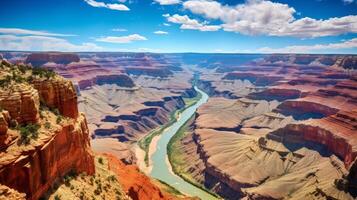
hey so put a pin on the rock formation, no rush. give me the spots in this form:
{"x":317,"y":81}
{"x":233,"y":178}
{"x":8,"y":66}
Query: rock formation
{"x":22,"y":102}
{"x":58,"y":94}
{"x":38,"y":59}
{"x":44,"y":146}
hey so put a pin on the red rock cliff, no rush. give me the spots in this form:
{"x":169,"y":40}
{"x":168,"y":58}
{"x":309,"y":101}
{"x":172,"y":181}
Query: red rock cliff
{"x":61,"y":144}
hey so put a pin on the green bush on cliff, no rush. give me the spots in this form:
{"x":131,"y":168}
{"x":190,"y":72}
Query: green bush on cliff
{"x":5,"y":81}
{"x":43,"y":73}
{"x":28,"y":132}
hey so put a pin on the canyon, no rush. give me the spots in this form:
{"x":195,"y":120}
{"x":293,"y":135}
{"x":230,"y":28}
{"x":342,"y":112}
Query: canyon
{"x":45,"y":144}
{"x":275,"y":126}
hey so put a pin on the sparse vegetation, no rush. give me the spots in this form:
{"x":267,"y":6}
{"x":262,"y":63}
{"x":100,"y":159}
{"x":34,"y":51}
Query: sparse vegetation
{"x":112,"y":178}
{"x":57,"y":197}
{"x":69,"y":176}
{"x":59,"y":119}
{"x":100,"y":160}
{"x":43,"y":73}
{"x":28,"y":132}
{"x":47,"y":125}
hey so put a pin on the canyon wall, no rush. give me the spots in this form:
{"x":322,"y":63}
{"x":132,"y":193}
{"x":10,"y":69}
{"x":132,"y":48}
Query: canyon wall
{"x":40,"y":145}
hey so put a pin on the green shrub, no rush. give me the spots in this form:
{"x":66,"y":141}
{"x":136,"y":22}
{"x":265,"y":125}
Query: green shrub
{"x":6,"y":81}
{"x":47,"y":125}
{"x":100,"y":160}
{"x":59,"y":119}
{"x":111,"y":178}
{"x":43,"y":73}
{"x":57,"y":197}
{"x":28,"y":132}
{"x":56,"y":111}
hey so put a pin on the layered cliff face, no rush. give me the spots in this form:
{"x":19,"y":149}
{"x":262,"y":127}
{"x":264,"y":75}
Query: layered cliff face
{"x":41,"y":144}
{"x":346,"y":62}
{"x":289,"y":138}
{"x":253,"y":162}
{"x":38,"y":59}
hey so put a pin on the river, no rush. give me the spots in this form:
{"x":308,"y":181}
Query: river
{"x":161,"y":167}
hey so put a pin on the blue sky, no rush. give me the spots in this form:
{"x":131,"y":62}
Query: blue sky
{"x":241,"y":26}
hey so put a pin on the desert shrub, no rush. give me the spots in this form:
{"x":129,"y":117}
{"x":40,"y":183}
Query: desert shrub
{"x":56,"y":111}
{"x":17,"y":78}
{"x":47,"y":125}
{"x":100,"y":160}
{"x":28,"y":132}
{"x":6,"y":81}
{"x":57,"y":197}
{"x":13,"y":123}
{"x":59,"y":119}
{"x":43,"y":73}
{"x":111,"y":178}
{"x":68,"y":177}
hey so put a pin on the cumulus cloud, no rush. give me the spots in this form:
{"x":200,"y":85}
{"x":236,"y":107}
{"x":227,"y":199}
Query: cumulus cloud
{"x":349,"y":44}
{"x":19,"y":31}
{"x":262,"y":17}
{"x":42,"y":43}
{"x":122,"y":39}
{"x":161,"y":32}
{"x":167,"y":2}
{"x":191,"y":24}
{"x":112,"y":6}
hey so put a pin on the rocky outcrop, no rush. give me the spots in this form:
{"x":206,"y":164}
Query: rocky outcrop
{"x":4,"y":126}
{"x":22,"y":102}
{"x":121,"y":80}
{"x":8,"y":193}
{"x":347,"y":62}
{"x":298,"y":133}
{"x":55,"y":145}
{"x":256,"y":79}
{"x":141,"y":121}
{"x":60,"y":94}
{"x":135,"y":184}
{"x":301,"y":110}
{"x":34,"y":170}
{"x":38,"y":59}
{"x":276,"y":94}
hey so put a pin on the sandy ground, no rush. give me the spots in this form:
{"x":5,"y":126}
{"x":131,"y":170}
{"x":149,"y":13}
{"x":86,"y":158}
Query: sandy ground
{"x":140,"y":155}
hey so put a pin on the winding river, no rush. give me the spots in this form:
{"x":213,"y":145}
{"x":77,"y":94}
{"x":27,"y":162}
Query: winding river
{"x":161,"y":167}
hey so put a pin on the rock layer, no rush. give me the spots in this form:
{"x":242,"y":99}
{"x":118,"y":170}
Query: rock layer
{"x":22,"y":102}
{"x":58,"y":94}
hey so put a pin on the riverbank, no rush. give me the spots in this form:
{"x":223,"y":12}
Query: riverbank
{"x":147,"y":143}
{"x":161,"y":168}
{"x":176,"y":157}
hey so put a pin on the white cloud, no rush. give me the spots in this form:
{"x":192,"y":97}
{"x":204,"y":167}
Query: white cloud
{"x":161,"y":32}
{"x":166,"y":24}
{"x":262,"y":17}
{"x":167,"y":2}
{"x":112,"y":6}
{"x":42,"y":43}
{"x":348,"y":1}
{"x":122,"y":39}
{"x":18,"y":31}
{"x":192,"y":24}
{"x":119,"y":29}
{"x":349,"y":44}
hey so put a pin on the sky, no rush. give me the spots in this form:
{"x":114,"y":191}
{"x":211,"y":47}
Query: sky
{"x":168,"y":26}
